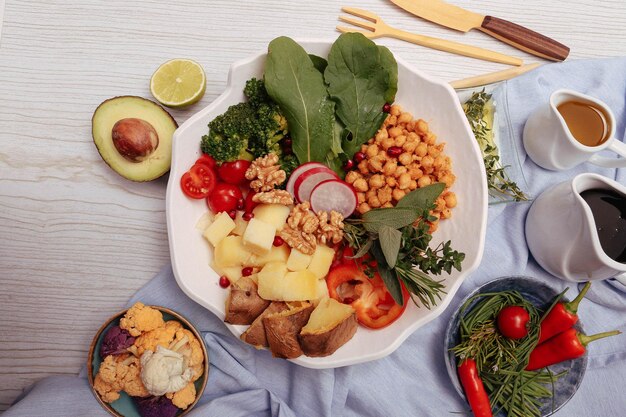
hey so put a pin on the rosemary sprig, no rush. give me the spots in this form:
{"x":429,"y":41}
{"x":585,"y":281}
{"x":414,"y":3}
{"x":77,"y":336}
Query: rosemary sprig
{"x":476,"y":110}
{"x":500,"y":361}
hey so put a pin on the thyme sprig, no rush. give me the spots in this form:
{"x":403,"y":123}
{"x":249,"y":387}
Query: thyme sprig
{"x":498,"y":181}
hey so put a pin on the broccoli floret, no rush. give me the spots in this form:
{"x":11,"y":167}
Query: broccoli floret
{"x":255,"y":92}
{"x":270,"y":128}
{"x":288,"y":163}
{"x":230,"y":133}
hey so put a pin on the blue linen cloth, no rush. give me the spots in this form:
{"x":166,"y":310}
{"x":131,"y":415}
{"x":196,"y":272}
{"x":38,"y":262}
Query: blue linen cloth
{"x":413,"y":380}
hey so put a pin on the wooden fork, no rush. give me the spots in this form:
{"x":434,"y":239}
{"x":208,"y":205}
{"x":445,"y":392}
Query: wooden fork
{"x":376,"y":28}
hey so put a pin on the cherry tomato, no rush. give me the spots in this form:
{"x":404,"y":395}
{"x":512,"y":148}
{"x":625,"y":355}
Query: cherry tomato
{"x":233,"y":172}
{"x":198,"y":182}
{"x":249,"y":205}
{"x":512,"y":322}
{"x":224,"y":197}
{"x":374,"y":306}
{"x":207,"y":160}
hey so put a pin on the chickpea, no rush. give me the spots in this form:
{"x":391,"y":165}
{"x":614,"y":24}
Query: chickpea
{"x":375,"y":164}
{"x":374,"y":202}
{"x":409,"y":146}
{"x":422,"y":126}
{"x":433,"y":227}
{"x":405,"y":158}
{"x":391,"y":120}
{"x":369,"y":194}
{"x":397,"y":194}
{"x":384,"y":195}
{"x":446,"y":213}
{"x":391,"y":181}
{"x":412,"y":185}
{"x":450,"y":199}
{"x":363,"y":208}
{"x":404,"y":181}
{"x":387,"y":143}
{"x":381,"y":134}
{"x":395,"y":131}
{"x":400,"y":140}
{"x":372,"y":150}
{"x":400,"y":171}
{"x":352,"y":176}
{"x":360,"y":185}
{"x":440,"y":204}
{"x":422,"y":149}
{"x":387,"y":205}
{"x":390,"y":167}
{"x":405,"y":118}
{"x":411,"y":126}
{"x":395,"y":110}
{"x":430,"y":138}
{"x":448,"y":179}
{"x":427,"y":161}
{"x":360,"y":197}
{"x":376,"y":181}
{"x":439,"y":162}
{"x":424,"y":181}
{"x":363,"y":167}
{"x":415,"y":172}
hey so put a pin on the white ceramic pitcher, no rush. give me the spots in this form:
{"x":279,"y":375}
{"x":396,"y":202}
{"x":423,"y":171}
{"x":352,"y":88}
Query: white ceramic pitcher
{"x":561,"y":232}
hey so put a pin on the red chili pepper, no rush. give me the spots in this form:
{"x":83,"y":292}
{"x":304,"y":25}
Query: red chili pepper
{"x":474,"y":389}
{"x":561,"y":317}
{"x":564,"y":346}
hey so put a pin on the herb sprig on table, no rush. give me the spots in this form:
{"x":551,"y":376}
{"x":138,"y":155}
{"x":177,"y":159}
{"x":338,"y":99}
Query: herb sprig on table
{"x":477,"y":110}
{"x":501,"y":361}
{"x":398,"y":239}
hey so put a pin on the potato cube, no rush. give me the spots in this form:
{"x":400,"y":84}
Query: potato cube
{"x":321,"y":261}
{"x":231,"y":252}
{"x":233,"y":273}
{"x":240,"y":224}
{"x":276,"y":254}
{"x":259,"y":236}
{"x":274,"y":214}
{"x":220,"y":228}
{"x":293,"y":286}
{"x":298,"y":261}
{"x":204,"y":221}
{"x":322,"y":291}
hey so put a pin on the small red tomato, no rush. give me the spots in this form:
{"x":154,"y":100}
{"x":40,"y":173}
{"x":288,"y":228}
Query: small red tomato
{"x":207,"y":160}
{"x":233,"y":172}
{"x":198,"y":182}
{"x":224,"y":197}
{"x":512,"y":322}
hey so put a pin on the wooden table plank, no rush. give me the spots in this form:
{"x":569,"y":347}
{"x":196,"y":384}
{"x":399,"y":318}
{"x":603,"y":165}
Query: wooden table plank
{"x":76,"y":239}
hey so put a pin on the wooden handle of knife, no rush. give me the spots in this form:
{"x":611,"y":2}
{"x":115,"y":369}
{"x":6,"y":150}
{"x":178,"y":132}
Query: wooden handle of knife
{"x":524,"y":39}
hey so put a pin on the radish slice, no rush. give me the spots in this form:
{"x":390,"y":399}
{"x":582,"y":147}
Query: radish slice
{"x":334,"y":194}
{"x":299,"y":171}
{"x":309,"y":179}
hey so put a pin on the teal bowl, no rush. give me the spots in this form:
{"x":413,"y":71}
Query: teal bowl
{"x":125,"y":406}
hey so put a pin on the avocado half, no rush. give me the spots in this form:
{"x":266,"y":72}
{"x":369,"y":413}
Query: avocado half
{"x":132,"y":112}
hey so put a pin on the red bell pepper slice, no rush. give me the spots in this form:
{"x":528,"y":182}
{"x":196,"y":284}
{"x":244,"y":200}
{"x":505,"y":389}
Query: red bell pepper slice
{"x":374,"y":305}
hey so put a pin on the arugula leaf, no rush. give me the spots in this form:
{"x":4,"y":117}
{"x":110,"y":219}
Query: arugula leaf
{"x":389,"y":277}
{"x":390,"y":241}
{"x":392,"y":217}
{"x":361,"y":78}
{"x":422,"y":198}
{"x":292,"y":81}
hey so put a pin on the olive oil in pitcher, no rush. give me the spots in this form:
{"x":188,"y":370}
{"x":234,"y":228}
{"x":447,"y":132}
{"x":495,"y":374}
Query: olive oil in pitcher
{"x":588,"y":124}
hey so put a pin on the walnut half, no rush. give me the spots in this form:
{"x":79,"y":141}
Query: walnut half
{"x":265,"y":173}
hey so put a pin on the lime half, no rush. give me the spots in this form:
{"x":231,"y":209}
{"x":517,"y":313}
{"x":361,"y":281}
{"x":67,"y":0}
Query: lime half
{"x":178,"y":83}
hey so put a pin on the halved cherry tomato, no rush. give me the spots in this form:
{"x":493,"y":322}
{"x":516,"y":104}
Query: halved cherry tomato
{"x":233,"y":172}
{"x":207,"y":160}
{"x":198,"y":182}
{"x":374,"y":306}
{"x":224,"y":197}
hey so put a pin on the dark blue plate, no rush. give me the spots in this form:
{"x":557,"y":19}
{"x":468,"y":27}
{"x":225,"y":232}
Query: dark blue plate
{"x":541,"y":295}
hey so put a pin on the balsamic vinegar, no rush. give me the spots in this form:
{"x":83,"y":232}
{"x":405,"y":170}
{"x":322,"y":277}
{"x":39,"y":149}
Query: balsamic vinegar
{"x":609,"y":213}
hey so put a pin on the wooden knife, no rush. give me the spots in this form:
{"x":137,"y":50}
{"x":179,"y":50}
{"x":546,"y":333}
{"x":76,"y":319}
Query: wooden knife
{"x":457,"y":18}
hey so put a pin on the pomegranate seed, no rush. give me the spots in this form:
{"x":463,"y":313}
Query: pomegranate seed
{"x":247,"y":216}
{"x":224,"y":282}
{"x":348,"y":300}
{"x":247,"y":271}
{"x":232,"y":214}
{"x":387,"y":108}
{"x":348,"y":165}
{"x":287,"y":150}
{"x":287,"y":141}
{"x":359,"y":156}
{"x":240,"y":204}
{"x":278,"y":241}
{"x":394,"y":151}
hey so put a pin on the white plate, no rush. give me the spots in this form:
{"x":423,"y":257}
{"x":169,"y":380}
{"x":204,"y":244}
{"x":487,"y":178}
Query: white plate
{"x":423,"y":96}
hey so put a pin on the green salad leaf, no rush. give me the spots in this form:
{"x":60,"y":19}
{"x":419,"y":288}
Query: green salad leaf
{"x":293,"y":82}
{"x":319,"y":63}
{"x":361,"y":78}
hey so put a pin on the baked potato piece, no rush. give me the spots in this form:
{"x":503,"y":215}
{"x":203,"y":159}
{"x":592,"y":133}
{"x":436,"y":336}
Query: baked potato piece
{"x":330,"y":326}
{"x":244,"y":304}
{"x":255,"y":334}
{"x":282,"y":329}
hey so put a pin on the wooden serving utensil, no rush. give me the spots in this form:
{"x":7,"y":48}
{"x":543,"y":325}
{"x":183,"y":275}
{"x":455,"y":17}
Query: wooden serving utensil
{"x":376,"y":28}
{"x":493,"y":77}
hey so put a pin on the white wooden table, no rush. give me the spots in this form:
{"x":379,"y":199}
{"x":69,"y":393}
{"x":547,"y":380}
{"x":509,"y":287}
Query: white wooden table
{"x":76,"y":239}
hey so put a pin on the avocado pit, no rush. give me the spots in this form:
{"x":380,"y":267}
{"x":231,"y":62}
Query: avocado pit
{"x":135,"y":139}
